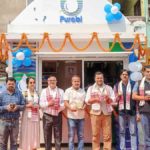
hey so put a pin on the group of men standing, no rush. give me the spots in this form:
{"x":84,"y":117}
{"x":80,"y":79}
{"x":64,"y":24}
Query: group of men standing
{"x":132,"y":101}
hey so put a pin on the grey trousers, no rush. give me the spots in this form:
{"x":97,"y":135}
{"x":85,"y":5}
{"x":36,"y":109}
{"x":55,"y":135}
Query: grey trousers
{"x":52,"y":123}
{"x":9,"y":129}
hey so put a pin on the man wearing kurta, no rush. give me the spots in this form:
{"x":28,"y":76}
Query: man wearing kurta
{"x":126,"y":109}
{"x":141,"y":93}
{"x":51,"y":102}
{"x":74,"y":101}
{"x":100,"y":96}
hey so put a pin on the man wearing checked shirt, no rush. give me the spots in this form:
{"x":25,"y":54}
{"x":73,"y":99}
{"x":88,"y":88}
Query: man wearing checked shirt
{"x":11,"y":103}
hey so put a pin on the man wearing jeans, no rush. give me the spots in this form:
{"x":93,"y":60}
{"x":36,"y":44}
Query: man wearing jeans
{"x":100,"y":96}
{"x":74,"y":102}
{"x":11,"y":103}
{"x":126,"y":109}
{"x":141,"y":93}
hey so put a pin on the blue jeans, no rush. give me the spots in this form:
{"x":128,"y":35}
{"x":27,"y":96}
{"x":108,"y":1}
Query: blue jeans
{"x":145,"y":119}
{"x":131,"y":120}
{"x":9,"y":128}
{"x":78,"y":125}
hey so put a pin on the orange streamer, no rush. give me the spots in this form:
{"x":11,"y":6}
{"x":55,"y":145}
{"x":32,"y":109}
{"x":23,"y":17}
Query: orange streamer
{"x":62,"y":45}
{"x":83,"y":48}
{"x":4,"y":45}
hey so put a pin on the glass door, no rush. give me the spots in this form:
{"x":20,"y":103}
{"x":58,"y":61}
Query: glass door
{"x":63,"y":70}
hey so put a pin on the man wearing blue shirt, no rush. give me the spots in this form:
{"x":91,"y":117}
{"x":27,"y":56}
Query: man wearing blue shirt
{"x":11,"y":103}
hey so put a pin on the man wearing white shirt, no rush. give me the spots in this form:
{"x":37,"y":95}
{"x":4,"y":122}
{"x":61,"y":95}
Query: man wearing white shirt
{"x":100,"y":96}
{"x":74,"y":101}
{"x":51,"y":102}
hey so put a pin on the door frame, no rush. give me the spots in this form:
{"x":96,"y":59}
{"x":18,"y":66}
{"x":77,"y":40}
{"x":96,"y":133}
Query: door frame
{"x":41,"y":57}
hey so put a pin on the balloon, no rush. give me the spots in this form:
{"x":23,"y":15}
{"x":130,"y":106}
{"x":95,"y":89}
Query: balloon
{"x":118,"y":15}
{"x":7,"y":69}
{"x":135,"y":66}
{"x":117,"y":5}
{"x":14,"y":54}
{"x":114,"y":10}
{"x":16,"y":63}
{"x":107,"y":8}
{"x":27,"y":52}
{"x":27,"y":62}
{"x":136,"y":76}
{"x":20,"y":56}
{"x":132,"y":57}
{"x":109,"y":17}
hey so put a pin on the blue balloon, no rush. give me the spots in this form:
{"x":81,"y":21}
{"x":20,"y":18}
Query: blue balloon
{"x":19,"y":50}
{"x":14,"y":54}
{"x":109,"y":17}
{"x":118,"y":5}
{"x":118,"y":16}
{"x":16,"y":63}
{"x":107,"y":8}
{"x":132,"y":57}
{"x":27,"y":52}
{"x":27,"y":62}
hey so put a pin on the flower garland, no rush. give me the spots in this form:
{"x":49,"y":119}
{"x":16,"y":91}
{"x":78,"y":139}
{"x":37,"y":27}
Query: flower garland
{"x":5,"y":47}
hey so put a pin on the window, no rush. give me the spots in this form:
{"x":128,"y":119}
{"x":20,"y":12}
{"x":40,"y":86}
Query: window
{"x":137,"y":8}
{"x":28,"y":2}
{"x":149,"y":8}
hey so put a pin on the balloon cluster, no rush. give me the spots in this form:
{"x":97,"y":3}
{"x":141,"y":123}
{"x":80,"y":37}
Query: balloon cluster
{"x":135,"y":67}
{"x":22,"y":57}
{"x":113,"y":12}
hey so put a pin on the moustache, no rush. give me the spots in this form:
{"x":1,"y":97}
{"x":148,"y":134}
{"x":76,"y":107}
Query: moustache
{"x":11,"y":87}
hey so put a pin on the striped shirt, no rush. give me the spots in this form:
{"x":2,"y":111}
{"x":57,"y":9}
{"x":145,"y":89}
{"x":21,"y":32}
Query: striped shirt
{"x":5,"y":99}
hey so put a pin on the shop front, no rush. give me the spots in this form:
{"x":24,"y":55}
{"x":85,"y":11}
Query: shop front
{"x":64,"y":66}
{"x":66,"y":41}
{"x":84,"y":66}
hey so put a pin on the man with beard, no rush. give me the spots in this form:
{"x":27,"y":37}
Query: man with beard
{"x":126,"y":109}
{"x":101,"y":98}
{"x":11,"y":103}
{"x":141,"y":93}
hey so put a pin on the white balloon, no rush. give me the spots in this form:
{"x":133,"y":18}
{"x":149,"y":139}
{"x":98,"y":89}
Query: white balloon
{"x":114,"y":10}
{"x":20,"y":56}
{"x":7,"y":69}
{"x":136,"y":76}
{"x":135,"y":66}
